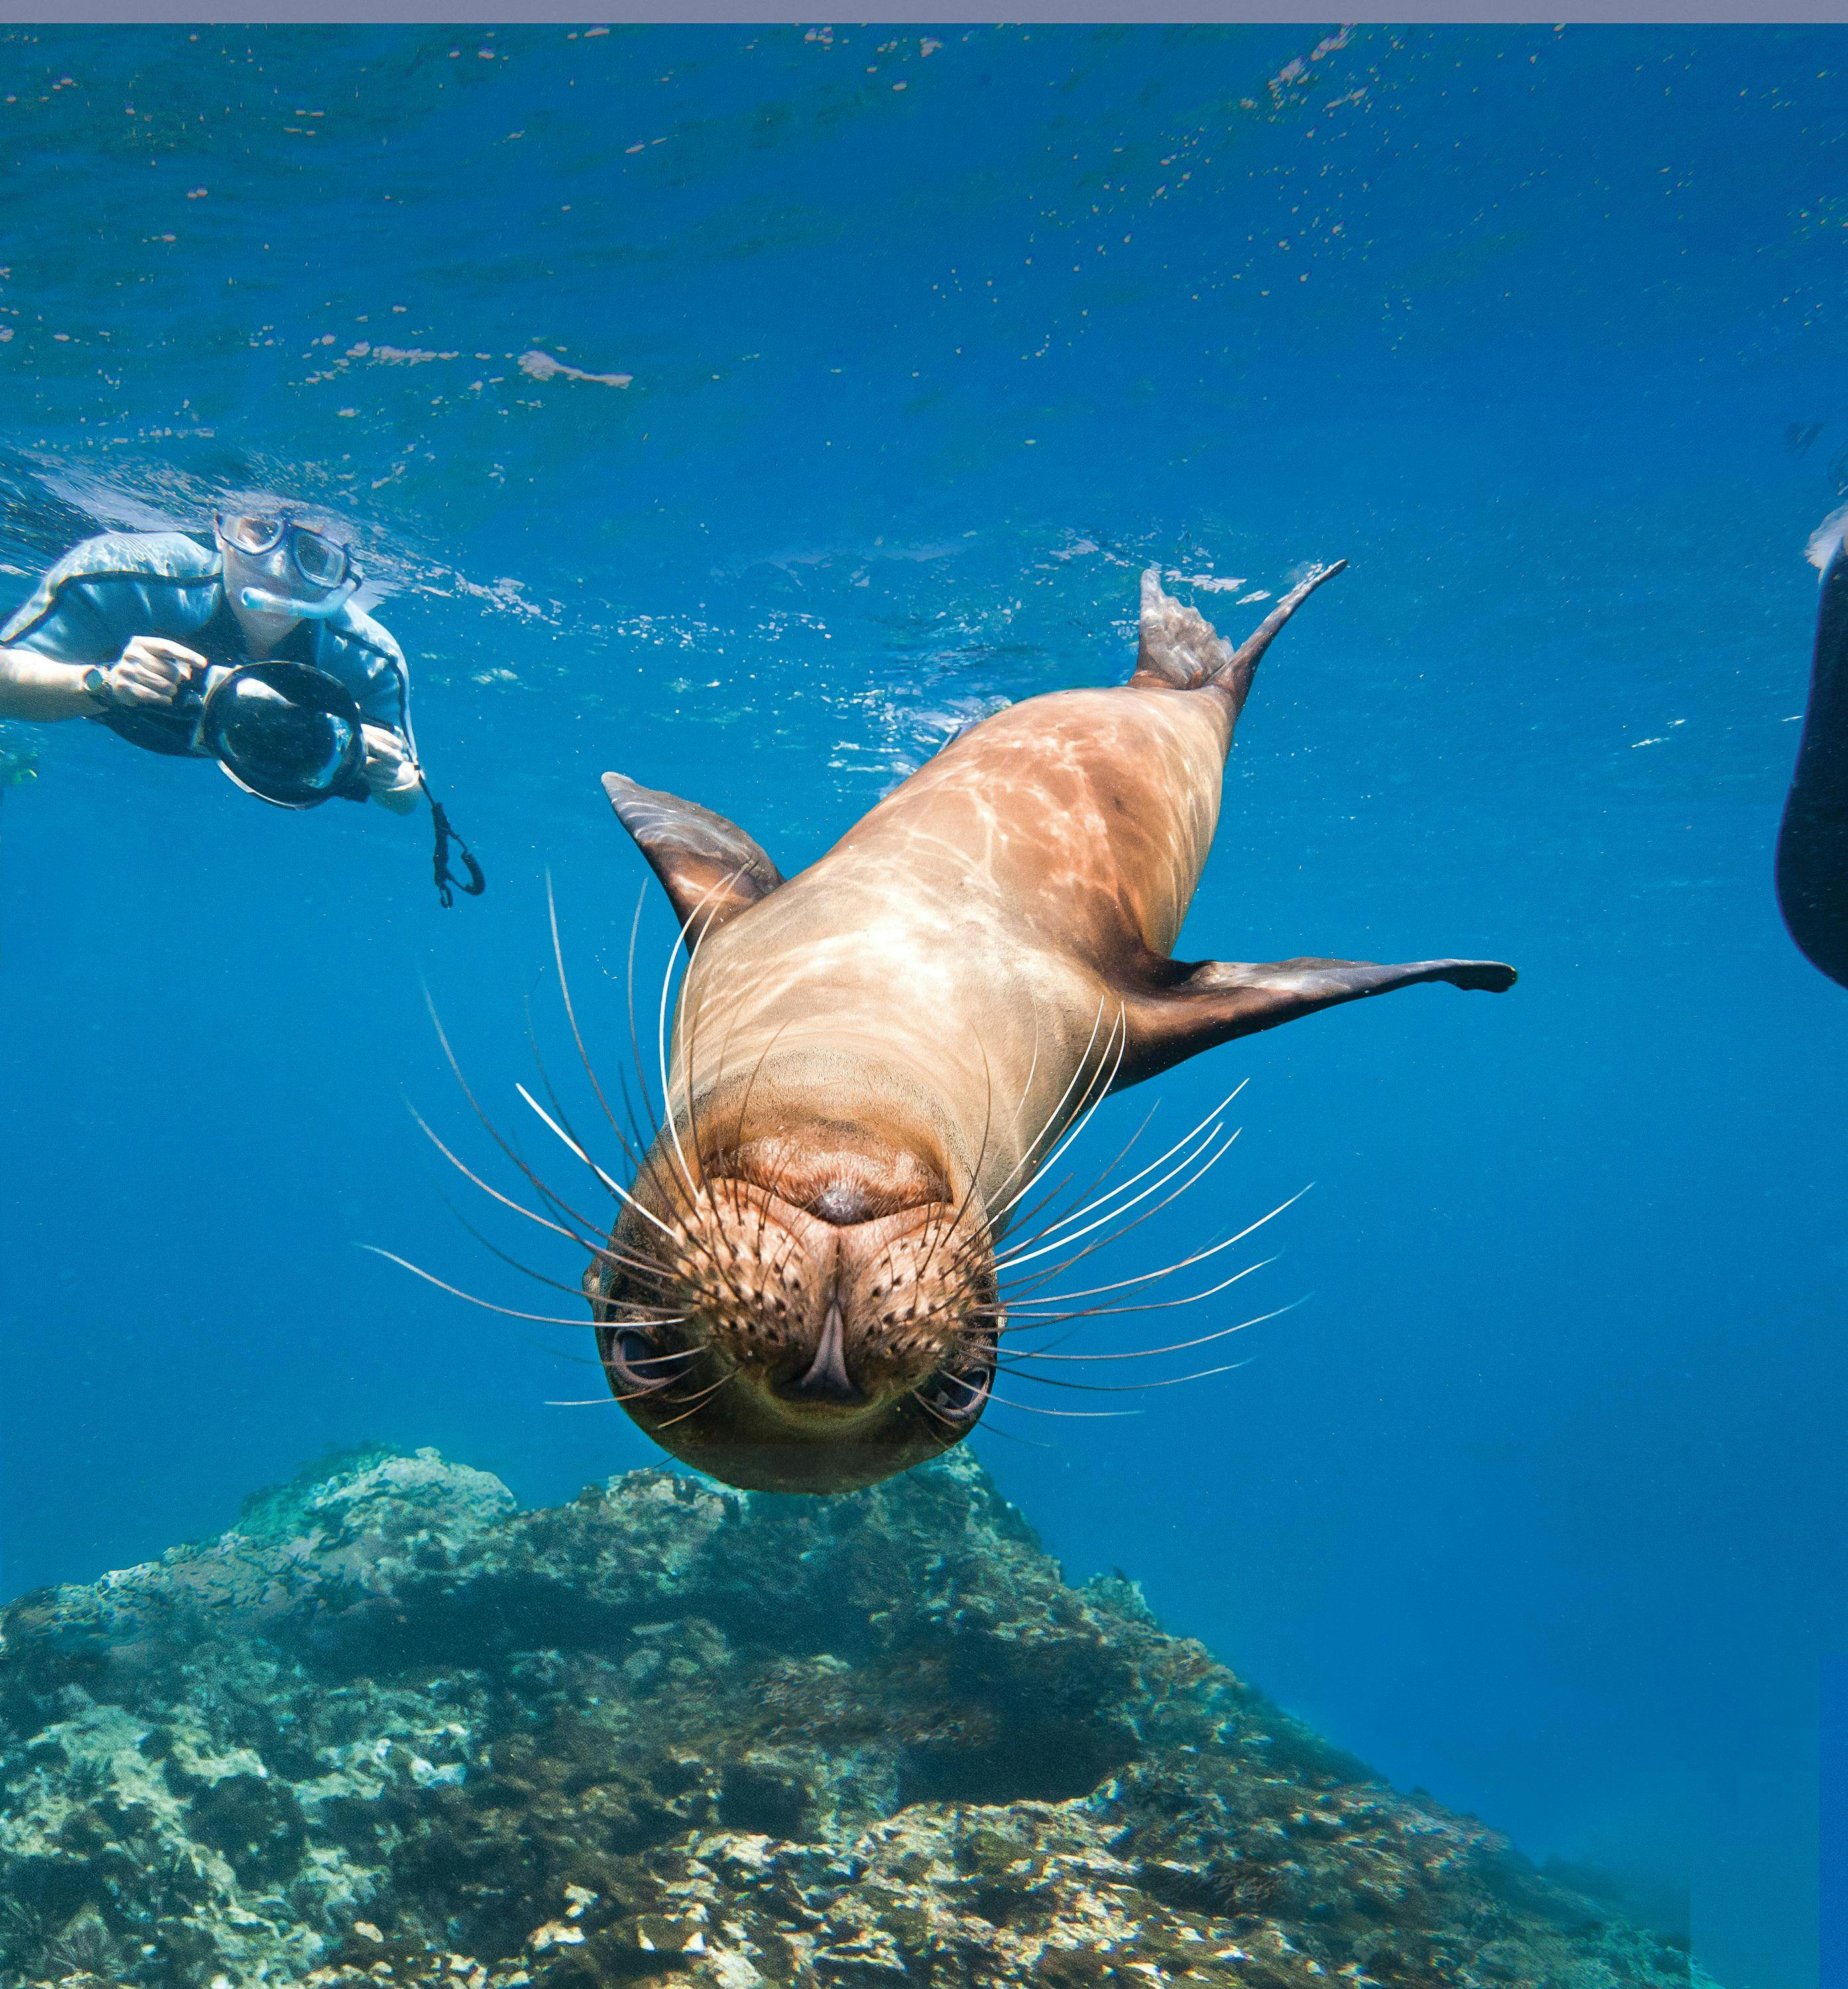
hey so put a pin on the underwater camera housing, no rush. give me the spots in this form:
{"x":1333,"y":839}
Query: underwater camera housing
{"x":287,"y":732}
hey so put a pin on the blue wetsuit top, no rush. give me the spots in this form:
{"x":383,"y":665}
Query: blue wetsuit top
{"x":109,"y":590}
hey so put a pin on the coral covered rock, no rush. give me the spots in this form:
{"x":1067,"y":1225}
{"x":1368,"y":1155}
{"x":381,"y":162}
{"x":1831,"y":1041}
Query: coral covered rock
{"x":391,"y":1728}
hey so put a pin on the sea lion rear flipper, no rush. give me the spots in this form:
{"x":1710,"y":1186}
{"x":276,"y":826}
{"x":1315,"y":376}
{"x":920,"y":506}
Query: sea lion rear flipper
{"x":1219,"y":999}
{"x":1180,"y":647}
{"x":710,"y":868}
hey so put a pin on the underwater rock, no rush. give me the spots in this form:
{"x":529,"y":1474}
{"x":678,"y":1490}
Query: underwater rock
{"x":391,"y":1728}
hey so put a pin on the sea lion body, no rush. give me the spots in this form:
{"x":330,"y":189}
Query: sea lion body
{"x":959,"y":940}
{"x":870,"y":1062}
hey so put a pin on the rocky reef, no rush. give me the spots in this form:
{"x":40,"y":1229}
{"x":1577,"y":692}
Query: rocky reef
{"x":391,"y":1728}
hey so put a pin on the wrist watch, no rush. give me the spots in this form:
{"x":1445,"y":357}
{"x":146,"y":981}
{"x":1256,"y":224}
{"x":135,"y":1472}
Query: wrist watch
{"x":96,"y":687}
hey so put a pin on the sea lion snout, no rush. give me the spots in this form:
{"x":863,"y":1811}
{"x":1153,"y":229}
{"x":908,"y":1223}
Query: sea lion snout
{"x":820,"y":1334}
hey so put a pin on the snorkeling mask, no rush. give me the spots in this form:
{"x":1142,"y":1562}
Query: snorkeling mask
{"x":322,"y":563}
{"x":287,"y":732}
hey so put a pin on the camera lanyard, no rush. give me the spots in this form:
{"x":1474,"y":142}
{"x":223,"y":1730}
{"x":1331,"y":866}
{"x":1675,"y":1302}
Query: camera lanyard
{"x":447,"y":882}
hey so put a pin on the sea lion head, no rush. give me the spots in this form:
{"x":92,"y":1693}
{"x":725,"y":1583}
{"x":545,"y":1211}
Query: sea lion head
{"x":808,"y":1309}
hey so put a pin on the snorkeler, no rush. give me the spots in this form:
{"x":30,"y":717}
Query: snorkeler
{"x":251,"y":654}
{"x":1812,"y":842}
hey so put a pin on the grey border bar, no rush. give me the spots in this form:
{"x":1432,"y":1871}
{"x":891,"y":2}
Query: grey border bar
{"x":1608,"y":13}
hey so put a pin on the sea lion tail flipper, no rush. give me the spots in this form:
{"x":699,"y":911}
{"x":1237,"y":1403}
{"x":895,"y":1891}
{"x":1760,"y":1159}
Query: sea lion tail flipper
{"x":710,"y":868}
{"x":1178,"y":646}
{"x":1219,"y":999}
{"x":1181,"y":650}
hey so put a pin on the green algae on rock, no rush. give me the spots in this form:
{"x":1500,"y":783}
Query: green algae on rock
{"x":389,"y":1728}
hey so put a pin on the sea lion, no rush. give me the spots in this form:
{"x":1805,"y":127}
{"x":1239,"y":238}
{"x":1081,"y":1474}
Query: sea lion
{"x":870,"y":1062}
{"x":1812,"y":840}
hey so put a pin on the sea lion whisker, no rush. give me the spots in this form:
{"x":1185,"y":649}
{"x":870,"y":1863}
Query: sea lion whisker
{"x":1098,"y":1201}
{"x":506,"y":1201}
{"x":1116,"y":1311}
{"x":556,"y":1284}
{"x":614,"y":1187}
{"x":995,"y":1221}
{"x":669,"y":1116}
{"x":959,"y":1431}
{"x":539,"y":1063}
{"x":555,"y":1201}
{"x":700,"y":1402}
{"x":1045,"y":1202}
{"x":559,"y":1112}
{"x":1202,"y":1145}
{"x":1026,"y":1155}
{"x":656,"y":1360}
{"x":1167,"y":1270}
{"x":1015,"y":1258}
{"x":609,"y":1255}
{"x":1083,"y":1118}
{"x":1126,"y":1387}
{"x":1026,"y":1088}
{"x":455,"y":1291}
{"x":565,"y":990}
{"x":716,"y":1084}
{"x":937,"y":1415}
{"x":644,"y":1140}
{"x":1058,"y":1270}
{"x":1097,"y":1180}
{"x":551,"y":1091}
{"x":634,"y":1038}
{"x":1102,"y":1174}
{"x":975,"y":1173}
{"x":558,"y":1353}
{"x":1032,"y":1409}
{"x":1035,"y":1165}
{"x":984,"y":1430}
{"x":1131,"y":1182}
{"x":614,"y":1399}
{"x":663,"y":1177}
{"x":1065,"y":1223}
{"x":1147,"y":1352}
{"x":667,"y":983}
{"x":655,"y":1383}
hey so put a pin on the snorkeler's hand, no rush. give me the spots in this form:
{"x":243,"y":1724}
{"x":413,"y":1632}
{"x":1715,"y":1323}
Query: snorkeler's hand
{"x":389,"y":769}
{"x":150,"y":671}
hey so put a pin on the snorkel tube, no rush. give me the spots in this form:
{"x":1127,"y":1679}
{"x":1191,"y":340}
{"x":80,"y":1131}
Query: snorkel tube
{"x":260,"y":600}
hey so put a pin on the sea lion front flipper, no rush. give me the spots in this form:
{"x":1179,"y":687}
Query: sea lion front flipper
{"x":1812,"y":842}
{"x":1170,"y":1019}
{"x":710,"y":868}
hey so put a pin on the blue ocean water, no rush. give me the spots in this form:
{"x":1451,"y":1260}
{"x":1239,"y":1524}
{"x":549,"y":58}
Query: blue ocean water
{"x":745,"y":409}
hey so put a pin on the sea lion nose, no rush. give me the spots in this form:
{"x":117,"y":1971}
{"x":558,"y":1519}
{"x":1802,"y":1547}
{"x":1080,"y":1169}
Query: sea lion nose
{"x":843,"y":1204}
{"x":828,"y":1380}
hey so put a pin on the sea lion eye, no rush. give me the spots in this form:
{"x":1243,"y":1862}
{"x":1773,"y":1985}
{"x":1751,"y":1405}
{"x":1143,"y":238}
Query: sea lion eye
{"x":957,"y":1394}
{"x":634,"y":1357}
